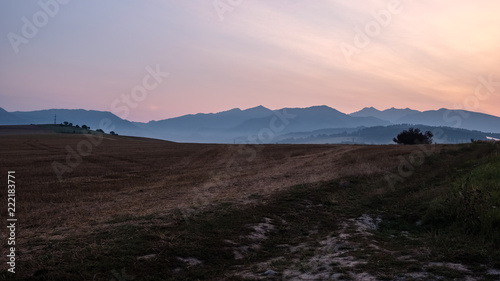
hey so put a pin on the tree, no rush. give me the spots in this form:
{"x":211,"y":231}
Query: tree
{"x":113,"y":133}
{"x":100,"y":131}
{"x":413,"y":136}
{"x":85,"y":127}
{"x":66,"y":123}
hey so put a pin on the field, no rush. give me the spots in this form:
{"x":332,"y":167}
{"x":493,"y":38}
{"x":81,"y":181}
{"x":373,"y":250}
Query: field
{"x":42,"y":129}
{"x":107,"y":207}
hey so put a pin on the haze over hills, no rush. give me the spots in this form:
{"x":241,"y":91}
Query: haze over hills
{"x":391,"y":114}
{"x":381,"y":135}
{"x":262,"y":125}
{"x":455,"y":118}
{"x":443,"y":117}
{"x":311,"y":118}
{"x":7,"y":118}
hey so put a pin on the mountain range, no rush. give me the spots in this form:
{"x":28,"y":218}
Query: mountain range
{"x":292,"y":125}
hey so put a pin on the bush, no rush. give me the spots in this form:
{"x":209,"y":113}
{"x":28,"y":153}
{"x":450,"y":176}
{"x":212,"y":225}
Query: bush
{"x":413,"y":136}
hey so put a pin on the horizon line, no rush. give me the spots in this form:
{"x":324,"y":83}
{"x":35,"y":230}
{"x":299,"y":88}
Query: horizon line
{"x":238,"y":108}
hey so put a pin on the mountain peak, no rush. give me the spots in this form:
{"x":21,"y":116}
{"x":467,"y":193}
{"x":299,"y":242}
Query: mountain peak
{"x":321,"y":106}
{"x":366,"y":111}
{"x":233,"y":110}
{"x":392,"y":114}
{"x":259,"y":108}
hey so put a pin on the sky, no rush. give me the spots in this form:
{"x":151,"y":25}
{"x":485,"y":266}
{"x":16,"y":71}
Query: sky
{"x":154,"y":59}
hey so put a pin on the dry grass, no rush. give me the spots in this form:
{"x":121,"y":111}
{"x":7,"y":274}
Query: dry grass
{"x":127,"y":177}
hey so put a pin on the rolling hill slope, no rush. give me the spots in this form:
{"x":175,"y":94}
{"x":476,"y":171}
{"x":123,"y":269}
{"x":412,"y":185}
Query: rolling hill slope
{"x":260,"y":124}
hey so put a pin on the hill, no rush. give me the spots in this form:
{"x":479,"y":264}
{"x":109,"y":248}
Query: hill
{"x":383,"y":135}
{"x":154,"y":210}
{"x":443,"y":117}
{"x":242,"y":125}
{"x":391,"y":115}
{"x":311,"y":118}
{"x":43,"y":129}
{"x":91,"y":118}
{"x":7,"y":118}
{"x":455,"y":118}
{"x":202,"y":127}
{"x":262,"y":125}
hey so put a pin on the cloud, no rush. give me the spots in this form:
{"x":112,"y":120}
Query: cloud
{"x":276,"y":53}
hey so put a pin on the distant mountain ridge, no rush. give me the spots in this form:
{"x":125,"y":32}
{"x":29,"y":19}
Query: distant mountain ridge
{"x":442,"y":117}
{"x":391,"y":114}
{"x":312,"y":118}
{"x":382,"y":135}
{"x":262,"y":125}
{"x":221,"y":120}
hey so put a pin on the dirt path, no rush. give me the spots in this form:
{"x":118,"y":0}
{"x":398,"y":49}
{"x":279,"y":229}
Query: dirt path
{"x":123,"y":177}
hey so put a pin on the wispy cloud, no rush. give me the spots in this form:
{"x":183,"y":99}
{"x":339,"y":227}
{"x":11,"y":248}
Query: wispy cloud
{"x":275,"y":53}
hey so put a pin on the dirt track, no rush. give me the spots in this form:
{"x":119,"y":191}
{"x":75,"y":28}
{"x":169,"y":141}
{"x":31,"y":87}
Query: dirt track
{"x":125,"y":176}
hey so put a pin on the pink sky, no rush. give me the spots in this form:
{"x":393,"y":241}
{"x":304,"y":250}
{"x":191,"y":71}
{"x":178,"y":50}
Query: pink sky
{"x":419,"y":54}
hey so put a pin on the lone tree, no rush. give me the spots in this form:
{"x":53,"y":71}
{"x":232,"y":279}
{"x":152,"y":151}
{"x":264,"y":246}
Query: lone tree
{"x":413,"y":136}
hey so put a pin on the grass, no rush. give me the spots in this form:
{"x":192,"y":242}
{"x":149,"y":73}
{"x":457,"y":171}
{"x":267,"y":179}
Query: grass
{"x":128,"y":214}
{"x":438,"y":213}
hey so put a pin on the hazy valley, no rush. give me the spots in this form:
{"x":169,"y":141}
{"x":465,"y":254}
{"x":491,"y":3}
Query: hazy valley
{"x":259,"y":125}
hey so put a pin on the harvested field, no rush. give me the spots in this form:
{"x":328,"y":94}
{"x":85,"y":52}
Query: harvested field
{"x":123,"y":186}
